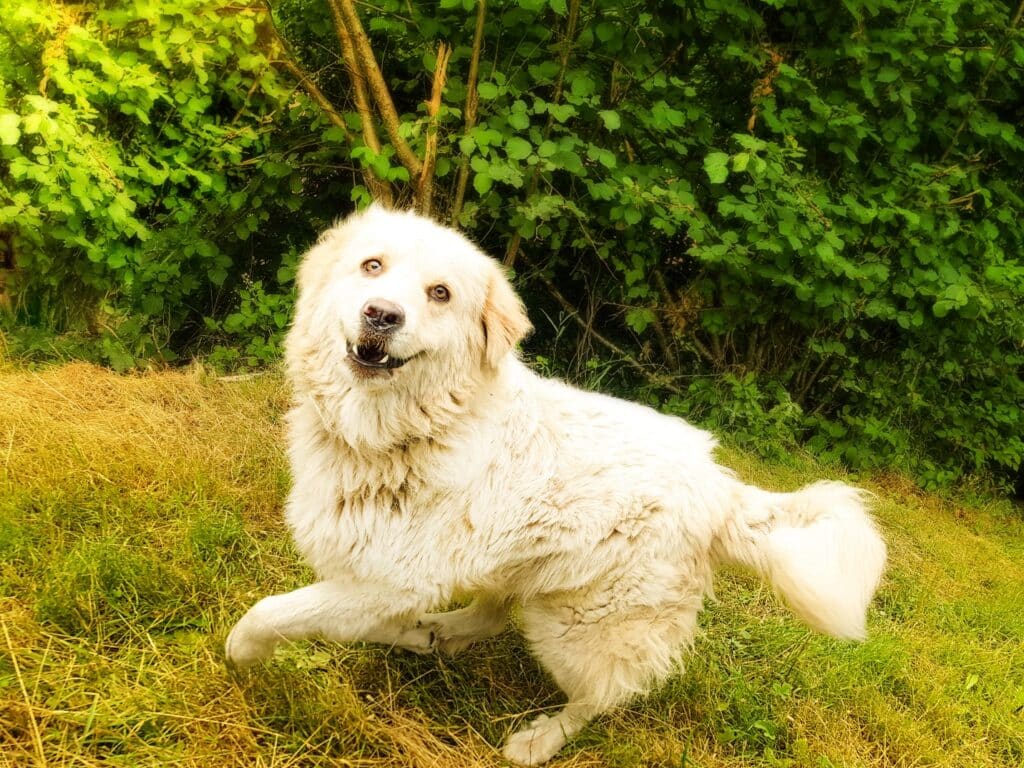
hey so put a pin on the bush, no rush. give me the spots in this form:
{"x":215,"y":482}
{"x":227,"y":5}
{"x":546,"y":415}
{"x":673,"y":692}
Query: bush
{"x":140,"y":157}
{"x":819,"y":204}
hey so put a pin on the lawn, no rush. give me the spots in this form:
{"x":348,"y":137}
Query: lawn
{"x":140,"y":516}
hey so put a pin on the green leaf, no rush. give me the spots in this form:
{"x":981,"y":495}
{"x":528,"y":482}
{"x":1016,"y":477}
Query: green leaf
{"x":482,"y":183}
{"x":824,"y":251}
{"x":611,"y":119}
{"x":276,"y":170}
{"x":335,"y":134}
{"x":603,"y":156}
{"x":152,"y":304}
{"x":887,"y":75}
{"x":9,"y":133}
{"x":605,"y":31}
{"x":519,"y":120}
{"x":561,"y":112}
{"x":716,"y":165}
{"x":638,"y":319}
{"x":518,"y":149}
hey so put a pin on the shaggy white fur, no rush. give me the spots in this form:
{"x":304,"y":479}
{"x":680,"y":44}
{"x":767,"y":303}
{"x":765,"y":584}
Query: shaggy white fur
{"x":430,"y":463}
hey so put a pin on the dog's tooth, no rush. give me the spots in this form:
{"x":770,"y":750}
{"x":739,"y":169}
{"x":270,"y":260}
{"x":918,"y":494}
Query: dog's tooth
{"x":385,"y":358}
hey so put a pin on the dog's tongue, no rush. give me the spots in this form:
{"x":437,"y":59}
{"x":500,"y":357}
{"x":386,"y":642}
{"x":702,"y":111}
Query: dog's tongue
{"x":371,"y":353}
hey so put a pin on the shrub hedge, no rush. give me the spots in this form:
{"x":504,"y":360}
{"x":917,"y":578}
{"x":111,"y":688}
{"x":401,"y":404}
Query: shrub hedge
{"x":800,"y":222}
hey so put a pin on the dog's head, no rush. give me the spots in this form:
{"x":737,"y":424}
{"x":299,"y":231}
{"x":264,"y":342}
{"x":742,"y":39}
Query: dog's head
{"x":392,"y":300}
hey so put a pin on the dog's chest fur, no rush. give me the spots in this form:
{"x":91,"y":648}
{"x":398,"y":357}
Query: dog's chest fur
{"x":414,"y":508}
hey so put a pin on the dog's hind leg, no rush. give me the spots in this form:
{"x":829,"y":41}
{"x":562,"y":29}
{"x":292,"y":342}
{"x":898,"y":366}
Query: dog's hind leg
{"x":455,"y":631}
{"x":543,"y":737}
{"x":601,"y":654}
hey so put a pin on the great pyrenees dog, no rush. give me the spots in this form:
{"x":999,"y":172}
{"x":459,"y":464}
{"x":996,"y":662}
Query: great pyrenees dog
{"x":430,"y":464}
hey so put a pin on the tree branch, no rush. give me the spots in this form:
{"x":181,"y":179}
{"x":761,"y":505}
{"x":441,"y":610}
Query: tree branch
{"x":314,"y":92}
{"x":703,"y":351}
{"x":425,"y":184}
{"x":654,"y":378}
{"x":380,"y":189}
{"x":358,"y":80}
{"x":983,"y":85}
{"x":664,"y":337}
{"x":472,"y":101}
{"x":276,"y":44}
{"x":378,"y":88}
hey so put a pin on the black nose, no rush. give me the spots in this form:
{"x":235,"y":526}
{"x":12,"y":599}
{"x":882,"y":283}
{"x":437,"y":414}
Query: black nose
{"x":383,"y":315}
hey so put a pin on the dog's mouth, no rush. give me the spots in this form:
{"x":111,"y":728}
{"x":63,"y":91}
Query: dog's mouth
{"x":374,"y":356}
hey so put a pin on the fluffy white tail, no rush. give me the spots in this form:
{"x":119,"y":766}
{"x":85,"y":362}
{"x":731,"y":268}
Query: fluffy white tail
{"x":817,"y":547}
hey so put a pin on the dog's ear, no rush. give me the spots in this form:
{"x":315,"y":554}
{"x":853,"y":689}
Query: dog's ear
{"x":505,"y":320}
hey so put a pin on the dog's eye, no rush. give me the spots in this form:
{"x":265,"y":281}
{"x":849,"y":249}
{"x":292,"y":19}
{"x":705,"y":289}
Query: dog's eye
{"x":439,"y":293}
{"x":372,"y":266}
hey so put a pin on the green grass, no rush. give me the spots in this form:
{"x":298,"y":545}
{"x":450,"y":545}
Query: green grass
{"x":140,"y":516}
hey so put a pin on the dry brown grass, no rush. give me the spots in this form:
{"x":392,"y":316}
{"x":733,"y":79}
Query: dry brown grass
{"x":140,"y":515}
{"x":80,"y":424}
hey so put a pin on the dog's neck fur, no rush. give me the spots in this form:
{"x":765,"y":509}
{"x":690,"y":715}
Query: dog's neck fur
{"x":371,"y":418}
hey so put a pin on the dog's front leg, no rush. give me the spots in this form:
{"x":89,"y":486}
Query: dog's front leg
{"x":332,"y":610}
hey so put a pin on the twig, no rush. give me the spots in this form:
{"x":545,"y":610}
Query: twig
{"x":664,"y":337}
{"x":425,"y":185}
{"x":983,"y":85}
{"x":314,"y":92}
{"x":615,"y":96}
{"x":702,"y":350}
{"x":256,"y":82}
{"x":472,"y":101}
{"x":242,"y":376}
{"x":270,"y":38}
{"x":654,"y":378}
{"x":968,"y":198}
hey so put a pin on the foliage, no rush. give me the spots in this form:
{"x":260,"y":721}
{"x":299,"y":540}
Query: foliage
{"x":818,"y":204}
{"x":140,"y":158}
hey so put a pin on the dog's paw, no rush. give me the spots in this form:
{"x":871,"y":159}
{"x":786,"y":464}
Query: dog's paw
{"x":421,"y":639}
{"x":447,"y":639}
{"x":453,"y":644}
{"x":430,"y":637}
{"x":248,"y":644}
{"x":536,"y":743}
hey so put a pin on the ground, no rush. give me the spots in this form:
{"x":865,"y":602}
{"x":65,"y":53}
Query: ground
{"x":140,"y":516}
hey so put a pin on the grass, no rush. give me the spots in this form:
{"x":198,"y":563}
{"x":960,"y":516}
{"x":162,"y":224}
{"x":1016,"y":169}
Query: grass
{"x":140,"y":516}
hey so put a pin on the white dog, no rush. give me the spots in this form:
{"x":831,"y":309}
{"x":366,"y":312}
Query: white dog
{"x":430,"y":463}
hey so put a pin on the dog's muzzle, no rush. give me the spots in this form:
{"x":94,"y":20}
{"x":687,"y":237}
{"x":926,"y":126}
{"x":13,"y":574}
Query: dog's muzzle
{"x":380,"y":319}
{"x":382,"y":316}
{"x":373,"y":355}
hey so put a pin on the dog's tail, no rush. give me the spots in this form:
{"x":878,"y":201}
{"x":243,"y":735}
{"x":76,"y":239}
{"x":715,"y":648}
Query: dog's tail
{"x":818,"y":548}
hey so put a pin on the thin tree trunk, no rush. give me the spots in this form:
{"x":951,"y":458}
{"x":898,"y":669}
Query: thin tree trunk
{"x":425,"y":183}
{"x":380,"y":189}
{"x":379,"y":88}
{"x":472,"y":100}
